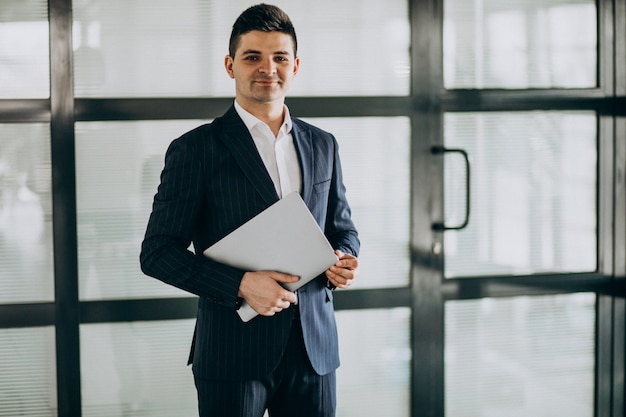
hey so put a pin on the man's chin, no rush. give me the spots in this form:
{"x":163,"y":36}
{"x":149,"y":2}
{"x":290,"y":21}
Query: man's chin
{"x":268,"y":98}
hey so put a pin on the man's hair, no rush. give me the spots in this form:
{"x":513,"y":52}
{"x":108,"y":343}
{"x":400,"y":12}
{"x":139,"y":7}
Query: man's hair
{"x":265,"y":18}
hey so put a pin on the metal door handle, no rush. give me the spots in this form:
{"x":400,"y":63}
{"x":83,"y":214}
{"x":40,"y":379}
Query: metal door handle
{"x":441,"y":150}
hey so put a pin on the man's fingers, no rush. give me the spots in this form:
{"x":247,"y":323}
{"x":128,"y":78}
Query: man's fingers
{"x":346,"y":261}
{"x":284,"y":277}
{"x":344,"y":271}
{"x":338,"y":280}
{"x":262,"y":290}
{"x":279,"y":305}
{"x":288,"y":299}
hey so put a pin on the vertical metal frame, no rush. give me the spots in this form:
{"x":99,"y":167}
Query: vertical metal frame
{"x":618,"y":389}
{"x":611,"y":312}
{"x":605,"y":131}
{"x":427,"y":323}
{"x":64,"y":209}
{"x":604,"y":309}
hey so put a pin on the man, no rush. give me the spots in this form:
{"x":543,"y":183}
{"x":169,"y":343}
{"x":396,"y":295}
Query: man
{"x":218,"y":176}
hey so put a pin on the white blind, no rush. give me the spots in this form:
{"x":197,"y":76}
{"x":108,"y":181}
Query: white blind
{"x":374,"y":377}
{"x":160,"y":48}
{"x":24,"y":45}
{"x":118,"y":166}
{"x":114,"y":199}
{"x":27,"y":372}
{"x":375,"y":157}
{"x":26,"y":259}
{"x":520,"y":43}
{"x":522,"y":356}
{"x":533,"y":193}
{"x":137,"y":369}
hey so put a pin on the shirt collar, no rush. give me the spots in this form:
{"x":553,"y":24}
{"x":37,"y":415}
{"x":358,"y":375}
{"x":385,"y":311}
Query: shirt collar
{"x":251,"y":121}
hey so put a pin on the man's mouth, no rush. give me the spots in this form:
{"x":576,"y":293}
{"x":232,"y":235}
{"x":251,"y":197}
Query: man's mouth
{"x":266,"y":81}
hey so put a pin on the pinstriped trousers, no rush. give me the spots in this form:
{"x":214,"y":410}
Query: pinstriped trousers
{"x":294,"y":389}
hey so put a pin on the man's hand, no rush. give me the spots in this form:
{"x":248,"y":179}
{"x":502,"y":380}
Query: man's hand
{"x":344,"y":271}
{"x":263,"y":292}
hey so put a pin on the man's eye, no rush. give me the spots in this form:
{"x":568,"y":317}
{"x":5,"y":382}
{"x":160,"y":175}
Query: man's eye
{"x":251,"y":58}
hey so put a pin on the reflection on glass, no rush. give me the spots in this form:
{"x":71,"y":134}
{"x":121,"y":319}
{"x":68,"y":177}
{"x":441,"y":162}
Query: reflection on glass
{"x":533,"y":193}
{"x":375,"y":158}
{"x":137,"y":369}
{"x":374,"y":377}
{"x":27,"y":372}
{"x":162,"y":48}
{"x":114,"y":199}
{"x":26,"y":260}
{"x":24,"y":46}
{"x":520,"y":44}
{"x":523,"y":356}
{"x":117,"y":173}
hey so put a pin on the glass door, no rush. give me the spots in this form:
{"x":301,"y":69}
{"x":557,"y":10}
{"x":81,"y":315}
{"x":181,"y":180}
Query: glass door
{"x":533,"y":212}
{"x":519,"y":195}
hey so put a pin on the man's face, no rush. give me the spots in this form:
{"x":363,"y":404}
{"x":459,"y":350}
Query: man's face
{"x":263,"y":67}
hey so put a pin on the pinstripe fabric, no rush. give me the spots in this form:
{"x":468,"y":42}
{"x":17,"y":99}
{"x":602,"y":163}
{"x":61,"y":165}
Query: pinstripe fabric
{"x":213,"y":181}
{"x":292,"y":389}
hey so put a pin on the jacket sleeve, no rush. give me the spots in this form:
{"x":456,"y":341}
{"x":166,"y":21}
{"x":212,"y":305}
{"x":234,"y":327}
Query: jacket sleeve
{"x":176,"y":216}
{"x":339,"y":228}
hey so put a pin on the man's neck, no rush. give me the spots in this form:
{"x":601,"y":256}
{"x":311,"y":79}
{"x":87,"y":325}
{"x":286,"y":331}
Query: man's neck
{"x":272,"y":114}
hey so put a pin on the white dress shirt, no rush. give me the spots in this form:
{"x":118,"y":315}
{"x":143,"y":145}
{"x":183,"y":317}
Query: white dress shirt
{"x":277,"y":152}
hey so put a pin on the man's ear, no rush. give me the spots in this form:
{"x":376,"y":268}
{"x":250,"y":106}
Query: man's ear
{"x":296,"y":65}
{"x":228,"y":64}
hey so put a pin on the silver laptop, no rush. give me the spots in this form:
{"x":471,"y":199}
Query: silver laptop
{"x":285,"y":238}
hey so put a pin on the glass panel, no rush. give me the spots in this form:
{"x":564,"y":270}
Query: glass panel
{"x":27,"y":372}
{"x":137,"y":369}
{"x":117,"y":173}
{"x":533,"y":193}
{"x":523,"y":356}
{"x":163,"y":48}
{"x":26,"y":260}
{"x":520,"y":44}
{"x":374,"y":377}
{"x":24,"y":49}
{"x":377,"y":177}
{"x":114,"y":200}
{"x":120,"y":375}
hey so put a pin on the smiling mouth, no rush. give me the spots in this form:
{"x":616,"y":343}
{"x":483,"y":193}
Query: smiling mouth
{"x":267,"y":82}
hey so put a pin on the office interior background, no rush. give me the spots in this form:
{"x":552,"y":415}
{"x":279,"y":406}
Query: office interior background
{"x":484,"y":152}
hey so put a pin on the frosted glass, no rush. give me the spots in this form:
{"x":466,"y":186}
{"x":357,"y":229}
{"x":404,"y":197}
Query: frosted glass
{"x":375,"y":157}
{"x":520,"y":44}
{"x":523,"y":356}
{"x":26,"y":259}
{"x":118,"y":165}
{"x":374,"y":377}
{"x":118,"y":168}
{"x":154,"y":48}
{"x":533,"y":193}
{"x":24,"y":49}
{"x":27,"y":372}
{"x":137,"y":369}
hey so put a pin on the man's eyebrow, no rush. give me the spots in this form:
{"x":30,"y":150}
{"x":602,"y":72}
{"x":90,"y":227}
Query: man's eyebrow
{"x":255,"y":52}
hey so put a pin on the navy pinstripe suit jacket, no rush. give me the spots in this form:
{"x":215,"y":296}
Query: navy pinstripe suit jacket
{"x":213,"y":181}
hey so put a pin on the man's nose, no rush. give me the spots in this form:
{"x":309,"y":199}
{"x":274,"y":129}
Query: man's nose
{"x":268,"y":66}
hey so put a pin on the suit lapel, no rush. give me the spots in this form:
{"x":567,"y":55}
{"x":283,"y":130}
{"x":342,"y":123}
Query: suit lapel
{"x":304,"y":147}
{"x":237,"y":139}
